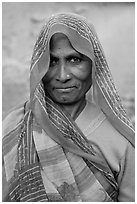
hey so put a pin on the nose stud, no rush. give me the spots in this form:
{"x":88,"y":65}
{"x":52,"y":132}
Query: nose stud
{"x":68,"y":76}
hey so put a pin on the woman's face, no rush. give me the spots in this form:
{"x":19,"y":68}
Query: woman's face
{"x":69,"y":75}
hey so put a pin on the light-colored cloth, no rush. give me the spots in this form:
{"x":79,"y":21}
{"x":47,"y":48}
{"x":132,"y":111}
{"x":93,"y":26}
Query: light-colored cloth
{"x":63,"y":175}
{"x":118,"y":152}
{"x":50,"y":157}
{"x":67,"y":173}
{"x":83,"y":38}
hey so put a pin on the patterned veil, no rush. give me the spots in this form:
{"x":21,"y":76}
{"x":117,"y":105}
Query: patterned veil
{"x":84,"y":39}
{"x":41,"y":111}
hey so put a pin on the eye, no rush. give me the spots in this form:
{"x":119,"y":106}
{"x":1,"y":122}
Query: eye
{"x":74,"y":60}
{"x":53,"y":61}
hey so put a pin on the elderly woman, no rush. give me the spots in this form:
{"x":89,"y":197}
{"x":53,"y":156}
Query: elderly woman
{"x":61,"y":145}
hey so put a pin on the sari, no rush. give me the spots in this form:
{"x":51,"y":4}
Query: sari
{"x":47,"y":157}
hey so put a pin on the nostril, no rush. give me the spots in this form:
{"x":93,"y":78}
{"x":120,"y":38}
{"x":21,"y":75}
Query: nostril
{"x":63,"y":77}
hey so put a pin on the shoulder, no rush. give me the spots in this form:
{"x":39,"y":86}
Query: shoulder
{"x":112,"y":143}
{"x":104,"y":136}
{"x":111,"y":137}
{"x":12,"y":120}
{"x":11,"y":128}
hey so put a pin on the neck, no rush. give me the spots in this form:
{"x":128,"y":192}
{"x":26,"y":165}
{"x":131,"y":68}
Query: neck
{"x":74,"y":109}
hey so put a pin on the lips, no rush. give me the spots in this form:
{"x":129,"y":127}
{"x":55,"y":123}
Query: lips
{"x":65,"y":89}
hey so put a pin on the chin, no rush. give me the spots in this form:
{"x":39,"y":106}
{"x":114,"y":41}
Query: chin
{"x":65,"y":102}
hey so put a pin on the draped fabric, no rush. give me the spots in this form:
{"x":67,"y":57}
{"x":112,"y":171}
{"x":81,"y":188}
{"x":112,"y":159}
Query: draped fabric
{"x":84,"y":39}
{"x":52,"y":158}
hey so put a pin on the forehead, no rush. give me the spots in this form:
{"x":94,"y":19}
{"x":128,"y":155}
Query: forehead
{"x":58,"y":41}
{"x":58,"y":36}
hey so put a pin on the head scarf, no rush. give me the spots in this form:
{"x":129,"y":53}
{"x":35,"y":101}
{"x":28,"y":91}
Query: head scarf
{"x":59,"y":126}
{"x":84,"y":39}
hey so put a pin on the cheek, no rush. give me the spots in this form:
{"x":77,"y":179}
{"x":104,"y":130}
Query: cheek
{"x":48,"y":76}
{"x":83,"y":72}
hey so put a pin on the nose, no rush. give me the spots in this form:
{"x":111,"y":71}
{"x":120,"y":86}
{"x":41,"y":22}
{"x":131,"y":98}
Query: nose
{"x":63,"y":74}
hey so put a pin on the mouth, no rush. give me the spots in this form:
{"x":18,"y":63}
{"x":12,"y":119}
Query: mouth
{"x":65,"y":90}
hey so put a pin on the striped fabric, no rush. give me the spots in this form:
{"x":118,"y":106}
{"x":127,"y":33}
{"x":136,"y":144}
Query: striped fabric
{"x":44,"y":171}
{"x":84,"y":39}
{"x":46,"y":156}
{"x":28,"y":186}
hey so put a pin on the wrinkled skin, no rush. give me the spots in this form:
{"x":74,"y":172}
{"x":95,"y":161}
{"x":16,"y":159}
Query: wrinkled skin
{"x":69,"y":76}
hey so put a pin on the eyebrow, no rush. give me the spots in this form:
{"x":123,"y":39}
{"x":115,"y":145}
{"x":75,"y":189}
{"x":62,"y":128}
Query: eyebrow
{"x":70,"y":54}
